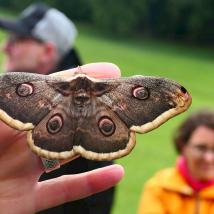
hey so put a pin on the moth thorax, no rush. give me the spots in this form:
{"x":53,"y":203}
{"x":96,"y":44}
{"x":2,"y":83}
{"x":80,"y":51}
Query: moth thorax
{"x":81,"y":97}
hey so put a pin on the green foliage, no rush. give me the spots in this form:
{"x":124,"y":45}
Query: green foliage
{"x":174,"y":19}
{"x":16,"y":5}
{"x":186,"y":20}
{"x":202,"y":21}
{"x":190,"y":20}
{"x":119,"y":16}
{"x":78,"y":10}
{"x":5,"y":3}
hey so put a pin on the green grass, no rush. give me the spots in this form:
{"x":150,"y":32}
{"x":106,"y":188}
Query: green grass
{"x":192,"y":67}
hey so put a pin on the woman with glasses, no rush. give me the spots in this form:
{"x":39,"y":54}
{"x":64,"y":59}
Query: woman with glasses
{"x":189,"y":186}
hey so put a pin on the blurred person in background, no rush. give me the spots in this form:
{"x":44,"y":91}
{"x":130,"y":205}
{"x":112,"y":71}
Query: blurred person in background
{"x":189,"y":186}
{"x":41,"y":40}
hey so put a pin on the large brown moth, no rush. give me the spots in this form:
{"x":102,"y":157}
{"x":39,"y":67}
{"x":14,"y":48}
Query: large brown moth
{"x":94,"y":118}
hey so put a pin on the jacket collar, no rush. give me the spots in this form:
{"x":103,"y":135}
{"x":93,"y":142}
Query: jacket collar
{"x":172,"y":180}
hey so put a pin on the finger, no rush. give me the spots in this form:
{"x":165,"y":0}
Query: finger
{"x":96,"y":70}
{"x":66,"y":188}
{"x":8,"y":135}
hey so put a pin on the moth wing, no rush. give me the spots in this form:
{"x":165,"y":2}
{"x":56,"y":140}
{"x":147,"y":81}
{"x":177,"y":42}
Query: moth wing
{"x":25,"y":98}
{"x":53,"y":136}
{"x":144,"y":103}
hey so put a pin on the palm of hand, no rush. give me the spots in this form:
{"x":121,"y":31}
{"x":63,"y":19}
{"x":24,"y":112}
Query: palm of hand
{"x":18,"y":165}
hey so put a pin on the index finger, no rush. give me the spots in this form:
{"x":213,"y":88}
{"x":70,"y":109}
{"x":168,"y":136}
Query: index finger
{"x":73,"y":187}
{"x":96,"y":70}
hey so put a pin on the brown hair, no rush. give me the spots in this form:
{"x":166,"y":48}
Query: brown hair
{"x":200,"y":118}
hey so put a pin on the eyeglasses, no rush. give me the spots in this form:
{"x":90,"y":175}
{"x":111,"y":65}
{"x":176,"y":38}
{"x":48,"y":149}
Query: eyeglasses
{"x":201,"y":149}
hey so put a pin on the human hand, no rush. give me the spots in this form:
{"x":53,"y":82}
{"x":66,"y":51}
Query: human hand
{"x":20,"y":191}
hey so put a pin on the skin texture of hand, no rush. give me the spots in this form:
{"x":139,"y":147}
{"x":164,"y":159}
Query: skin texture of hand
{"x":20,"y":191}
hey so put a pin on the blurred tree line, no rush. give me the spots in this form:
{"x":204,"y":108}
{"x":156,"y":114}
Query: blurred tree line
{"x":189,"y":20}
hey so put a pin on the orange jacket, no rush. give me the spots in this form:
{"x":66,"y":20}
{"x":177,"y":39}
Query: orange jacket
{"x":168,"y":193}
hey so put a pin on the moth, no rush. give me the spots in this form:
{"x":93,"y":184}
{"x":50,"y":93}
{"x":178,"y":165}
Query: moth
{"x":94,"y":118}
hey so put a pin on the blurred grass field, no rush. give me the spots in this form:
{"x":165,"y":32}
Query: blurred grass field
{"x":191,"y":66}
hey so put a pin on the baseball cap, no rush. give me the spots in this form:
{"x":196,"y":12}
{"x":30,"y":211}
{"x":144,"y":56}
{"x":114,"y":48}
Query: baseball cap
{"x":45,"y":24}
